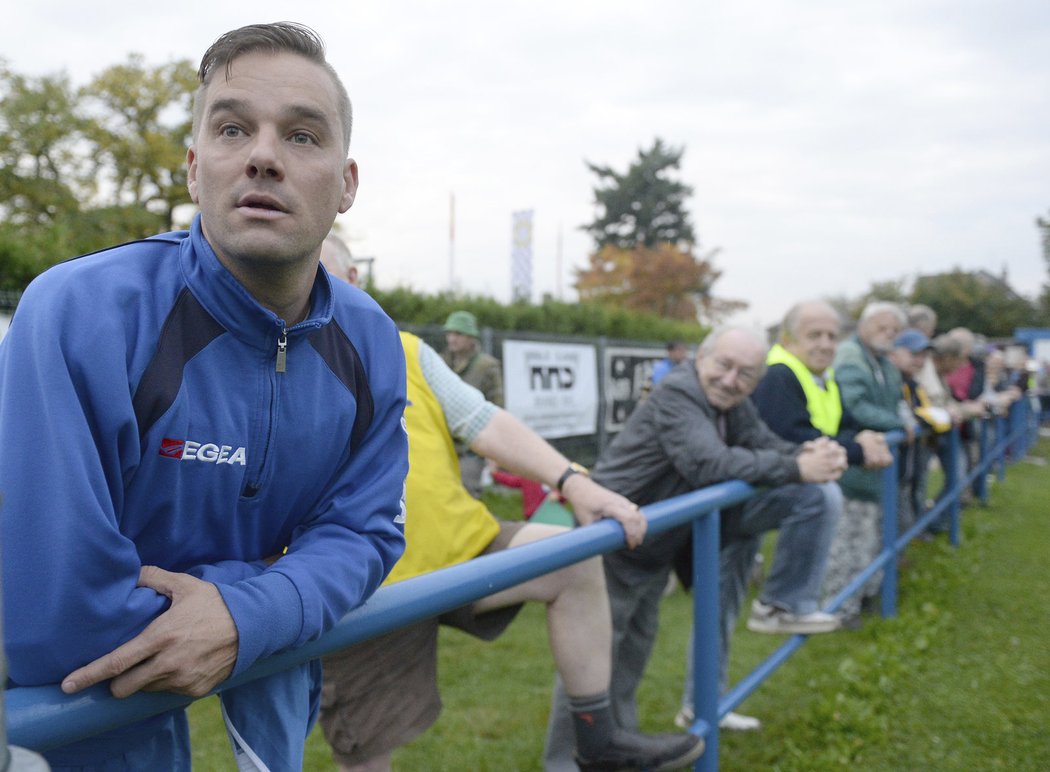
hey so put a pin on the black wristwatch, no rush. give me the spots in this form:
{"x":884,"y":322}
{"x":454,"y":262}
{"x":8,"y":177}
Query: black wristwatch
{"x":572,"y":469}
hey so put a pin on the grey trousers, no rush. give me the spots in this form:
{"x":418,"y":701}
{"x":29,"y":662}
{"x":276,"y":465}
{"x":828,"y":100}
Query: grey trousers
{"x":857,"y":542}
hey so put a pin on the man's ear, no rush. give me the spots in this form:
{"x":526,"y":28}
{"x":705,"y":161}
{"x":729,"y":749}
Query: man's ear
{"x":191,"y":173}
{"x":350,"y":181}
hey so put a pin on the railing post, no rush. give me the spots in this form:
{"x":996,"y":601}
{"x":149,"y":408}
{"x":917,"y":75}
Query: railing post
{"x":1019,"y":427}
{"x":1013,"y":424}
{"x":890,"y":494}
{"x":1002,"y":434}
{"x":1031,"y":422}
{"x":706,"y":665}
{"x":952,"y":485}
{"x":981,"y":480}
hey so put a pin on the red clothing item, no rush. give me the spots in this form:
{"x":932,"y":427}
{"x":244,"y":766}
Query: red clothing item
{"x":533,"y":494}
{"x":959,"y":381}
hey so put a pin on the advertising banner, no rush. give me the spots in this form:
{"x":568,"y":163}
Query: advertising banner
{"x":627,"y":374}
{"x":552,"y":387}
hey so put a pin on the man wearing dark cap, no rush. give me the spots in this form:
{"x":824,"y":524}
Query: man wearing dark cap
{"x":910,"y":351}
{"x":464,"y":355}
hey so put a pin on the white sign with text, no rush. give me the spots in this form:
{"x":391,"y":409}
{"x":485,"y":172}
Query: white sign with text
{"x":551,"y":387}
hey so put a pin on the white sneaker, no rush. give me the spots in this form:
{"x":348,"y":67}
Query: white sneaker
{"x":770,"y":619}
{"x":684,"y":718}
{"x":732,"y":722}
{"x":736,"y":722}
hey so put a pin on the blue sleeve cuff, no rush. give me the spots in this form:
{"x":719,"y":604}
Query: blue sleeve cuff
{"x":268,"y":613}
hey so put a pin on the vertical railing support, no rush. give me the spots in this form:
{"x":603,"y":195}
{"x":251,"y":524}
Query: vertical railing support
{"x":1032,"y":422}
{"x":1002,"y":435}
{"x":890,"y":493}
{"x":980,"y":482}
{"x":1016,"y":420}
{"x":952,"y":485}
{"x":706,"y":665}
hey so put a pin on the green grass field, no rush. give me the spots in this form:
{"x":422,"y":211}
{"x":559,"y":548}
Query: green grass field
{"x":960,"y":680}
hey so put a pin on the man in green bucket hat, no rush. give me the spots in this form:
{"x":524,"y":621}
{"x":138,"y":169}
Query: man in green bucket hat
{"x":464,"y":355}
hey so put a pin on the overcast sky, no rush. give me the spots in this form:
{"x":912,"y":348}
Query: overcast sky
{"x":829,"y":144}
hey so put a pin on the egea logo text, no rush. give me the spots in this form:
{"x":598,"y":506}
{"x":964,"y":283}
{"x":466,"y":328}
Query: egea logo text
{"x":210,"y":453}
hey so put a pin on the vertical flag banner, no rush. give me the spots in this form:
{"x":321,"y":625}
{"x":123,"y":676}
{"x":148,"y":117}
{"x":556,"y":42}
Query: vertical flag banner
{"x":521,"y":255}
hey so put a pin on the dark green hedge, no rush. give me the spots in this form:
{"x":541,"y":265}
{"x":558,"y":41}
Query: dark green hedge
{"x":552,"y":316}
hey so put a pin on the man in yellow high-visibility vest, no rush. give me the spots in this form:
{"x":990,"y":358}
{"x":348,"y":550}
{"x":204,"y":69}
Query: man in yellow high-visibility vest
{"x":798,"y":397}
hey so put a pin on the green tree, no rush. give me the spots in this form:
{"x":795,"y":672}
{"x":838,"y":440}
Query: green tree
{"x":41,"y":171}
{"x":644,"y":206}
{"x":974,"y":299}
{"x":644,"y":258}
{"x":664,"y":280}
{"x":139,"y":126}
{"x":1044,"y":241}
{"x":893,"y":291}
{"x":83,"y":169}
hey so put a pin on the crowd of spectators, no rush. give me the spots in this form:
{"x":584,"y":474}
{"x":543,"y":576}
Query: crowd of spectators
{"x":815,"y":388}
{"x":211,"y":450}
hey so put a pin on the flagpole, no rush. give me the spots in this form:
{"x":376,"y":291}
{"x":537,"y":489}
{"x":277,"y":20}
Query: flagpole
{"x":451,"y":241}
{"x":557,"y":264}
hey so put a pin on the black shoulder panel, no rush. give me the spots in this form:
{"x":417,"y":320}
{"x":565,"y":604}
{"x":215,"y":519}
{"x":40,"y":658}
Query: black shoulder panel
{"x":342,"y":358}
{"x":187,"y":330}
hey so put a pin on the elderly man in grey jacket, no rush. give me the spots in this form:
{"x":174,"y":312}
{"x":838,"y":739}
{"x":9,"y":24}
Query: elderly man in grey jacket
{"x":699,"y":428}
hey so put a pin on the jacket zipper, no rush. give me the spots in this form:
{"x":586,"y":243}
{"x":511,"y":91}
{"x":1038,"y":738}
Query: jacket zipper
{"x":282,"y":351}
{"x":250,"y":489}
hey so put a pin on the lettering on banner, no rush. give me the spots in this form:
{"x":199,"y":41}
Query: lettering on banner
{"x":551,"y":377}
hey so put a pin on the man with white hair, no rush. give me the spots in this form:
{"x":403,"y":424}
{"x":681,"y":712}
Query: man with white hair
{"x":699,"y":428}
{"x":870,"y":385}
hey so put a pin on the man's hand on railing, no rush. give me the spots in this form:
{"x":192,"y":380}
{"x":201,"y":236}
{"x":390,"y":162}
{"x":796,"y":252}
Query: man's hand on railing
{"x":591,"y":502}
{"x":188,"y":649}
{"x":821,"y":460}
{"x":877,"y":453}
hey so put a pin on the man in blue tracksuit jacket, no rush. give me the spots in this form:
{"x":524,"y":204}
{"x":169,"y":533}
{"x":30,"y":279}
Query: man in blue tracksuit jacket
{"x":202,"y":454}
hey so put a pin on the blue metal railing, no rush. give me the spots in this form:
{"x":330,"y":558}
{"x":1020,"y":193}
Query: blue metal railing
{"x":708,"y":708}
{"x":43,"y":717}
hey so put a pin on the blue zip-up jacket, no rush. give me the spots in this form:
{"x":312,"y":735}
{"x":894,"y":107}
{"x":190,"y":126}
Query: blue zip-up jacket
{"x":143,"y":421}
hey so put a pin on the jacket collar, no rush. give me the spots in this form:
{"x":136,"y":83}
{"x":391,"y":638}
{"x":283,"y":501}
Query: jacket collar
{"x":234,"y":307}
